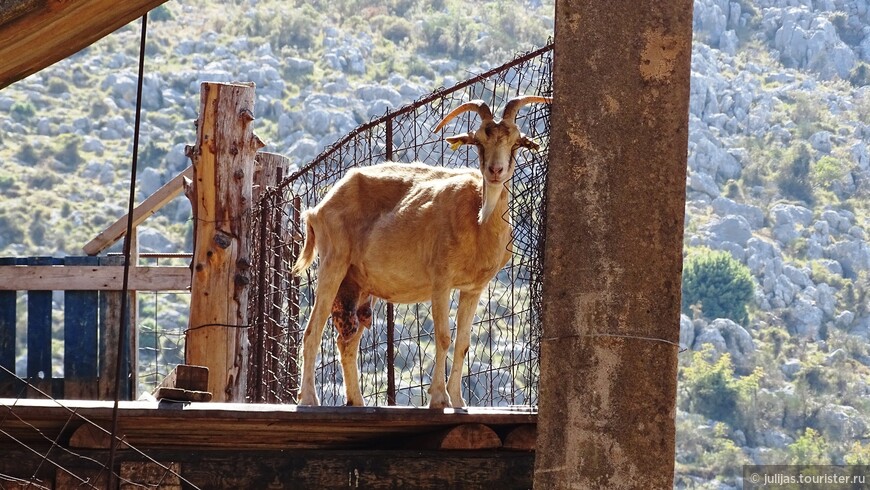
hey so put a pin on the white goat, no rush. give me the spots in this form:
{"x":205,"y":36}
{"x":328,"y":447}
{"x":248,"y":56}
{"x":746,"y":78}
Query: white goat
{"x":408,"y":233}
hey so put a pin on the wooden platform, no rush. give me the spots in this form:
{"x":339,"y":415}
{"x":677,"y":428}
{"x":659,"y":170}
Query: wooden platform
{"x":241,"y":426}
{"x":228,"y":445}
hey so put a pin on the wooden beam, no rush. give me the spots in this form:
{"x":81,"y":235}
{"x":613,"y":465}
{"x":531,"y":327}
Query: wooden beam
{"x":234,"y":469}
{"x":139,"y":474}
{"x":460,"y":437}
{"x":38,"y":34}
{"x":87,"y":278}
{"x":521,"y":438}
{"x":148,"y":207}
{"x":223,"y":163}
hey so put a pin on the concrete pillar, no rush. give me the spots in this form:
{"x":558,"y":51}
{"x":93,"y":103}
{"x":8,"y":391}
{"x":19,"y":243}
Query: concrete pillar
{"x":613,"y":256}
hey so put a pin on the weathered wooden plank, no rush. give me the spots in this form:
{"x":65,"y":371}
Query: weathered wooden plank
{"x":39,"y":335}
{"x":159,"y":476}
{"x":314,"y":469}
{"x":90,"y":436}
{"x":465,"y":436}
{"x":223,"y":163}
{"x":185,"y":383}
{"x":100,"y":278}
{"x":148,"y":207}
{"x":46,"y":32}
{"x":80,"y":338}
{"x":521,"y":438}
{"x":110,"y":330}
{"x":12,"y":9}
{"x":243,"y":426}
{"x":8,"y":310}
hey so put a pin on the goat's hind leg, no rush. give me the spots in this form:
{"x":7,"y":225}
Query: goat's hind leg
{"x":350,"y":316}
{"x":329,"y":278}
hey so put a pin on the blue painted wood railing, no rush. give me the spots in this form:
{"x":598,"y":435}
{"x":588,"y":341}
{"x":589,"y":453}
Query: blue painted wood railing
{"x":86,"y":373}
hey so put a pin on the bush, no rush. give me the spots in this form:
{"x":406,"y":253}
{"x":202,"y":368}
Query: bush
{"x":793,"y":179}
{"x":22,"y":111}
{"x":721,"y":286}
{"x":860,"y":75}
{"x":712,"y":390}
{"x":829,"y":170}
{"x":810,"y":448}
{"x":69,"y":153}
{"x":161,"y":14}
{"x":27,"y":155}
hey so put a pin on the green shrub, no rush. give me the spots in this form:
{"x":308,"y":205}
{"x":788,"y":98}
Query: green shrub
{"x":160,"y":14}
{"x":27,"y":155}
{"x":712,"y":390}
{"x":69,"y":152}
{"x":396,"y":29}
{"x":10,"y":231}
{"x":810,"y":448}
{"x":860,"y":75}
{"x":22,"y":111}
{"x":858,"y":455}
{"x":7,"y":180}
{"x":721,"y":285}
{"x":829,"y":170}
{"x":793,"y":178}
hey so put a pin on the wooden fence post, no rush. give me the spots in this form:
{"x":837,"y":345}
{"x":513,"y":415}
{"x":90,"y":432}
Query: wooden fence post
{"x":269,"y":170}
{"x":223,"y":168}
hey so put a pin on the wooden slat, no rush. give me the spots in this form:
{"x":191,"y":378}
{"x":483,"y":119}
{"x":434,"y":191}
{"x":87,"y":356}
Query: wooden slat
{"x":101,"y":278}
{"x":8,"y":315}
{"x":110,"y":331}
{"x":39,"y":335}
{"x":80,"y":338}
{"x":48,"y":31}
{"x":149,"y":206}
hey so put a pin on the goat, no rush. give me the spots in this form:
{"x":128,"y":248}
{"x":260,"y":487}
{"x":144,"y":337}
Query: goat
{"x":409,"y":233}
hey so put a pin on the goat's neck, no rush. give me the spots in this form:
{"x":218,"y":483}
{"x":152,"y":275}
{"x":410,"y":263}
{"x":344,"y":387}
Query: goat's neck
{"x":494,"y":197}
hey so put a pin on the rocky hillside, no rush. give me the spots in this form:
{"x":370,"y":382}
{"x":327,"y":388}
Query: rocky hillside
{"x":779,"y":174}
{"x":779,"y":178}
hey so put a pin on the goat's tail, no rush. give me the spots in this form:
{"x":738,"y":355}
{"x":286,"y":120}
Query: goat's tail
{"x":307,"y":257}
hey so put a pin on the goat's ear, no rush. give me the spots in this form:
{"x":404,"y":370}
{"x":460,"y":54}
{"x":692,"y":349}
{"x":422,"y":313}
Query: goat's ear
{"x":461,"y":139}
{"x":526,"y":142}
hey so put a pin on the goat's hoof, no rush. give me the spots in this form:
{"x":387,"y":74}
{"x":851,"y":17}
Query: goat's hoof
{"x":439,"y":401}
{"x":306,"y":400}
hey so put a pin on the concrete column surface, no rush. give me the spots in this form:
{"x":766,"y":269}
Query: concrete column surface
{"x":613,"y":255}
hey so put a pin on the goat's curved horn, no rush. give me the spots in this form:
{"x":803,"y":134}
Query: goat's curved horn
{"x":477,"y":106}
{"x":513,"y":106}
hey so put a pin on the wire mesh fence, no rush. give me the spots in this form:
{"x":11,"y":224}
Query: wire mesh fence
{"x":397,"y":352}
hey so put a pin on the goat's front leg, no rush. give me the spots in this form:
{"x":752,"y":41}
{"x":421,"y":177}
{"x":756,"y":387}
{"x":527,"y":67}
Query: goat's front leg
{"x":438,"y":397}
{"x":468,"y":301}
{"x":328,"y":280}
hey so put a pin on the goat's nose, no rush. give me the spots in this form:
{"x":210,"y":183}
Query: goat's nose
{"x":495,"y":170}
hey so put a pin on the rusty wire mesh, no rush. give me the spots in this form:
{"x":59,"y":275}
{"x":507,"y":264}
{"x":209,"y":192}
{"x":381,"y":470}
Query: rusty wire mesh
{"x":397,"y":353}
